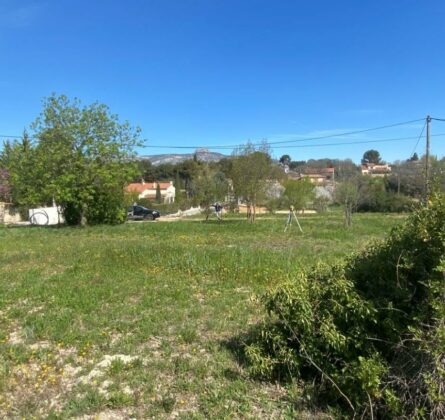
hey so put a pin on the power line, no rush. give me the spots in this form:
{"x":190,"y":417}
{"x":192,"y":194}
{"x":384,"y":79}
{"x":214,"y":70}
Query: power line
{"x":234,"y":146}
{"x":315,"y":145}
{"x":348,"y":133}
{"x":6,"y":136}
{"x":356,"y":142}
{"x":420,"y":135}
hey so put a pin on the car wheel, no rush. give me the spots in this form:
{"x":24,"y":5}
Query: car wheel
{"x":150,"y":217}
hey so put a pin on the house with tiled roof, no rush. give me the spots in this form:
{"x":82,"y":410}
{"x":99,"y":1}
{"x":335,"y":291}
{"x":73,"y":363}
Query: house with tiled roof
{"x":317,"y":176}
{"x":376,"y":170}
{"x":148,"y":190}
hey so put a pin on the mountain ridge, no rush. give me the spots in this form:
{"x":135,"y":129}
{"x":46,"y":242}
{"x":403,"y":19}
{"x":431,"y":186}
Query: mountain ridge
{"x":201,"y":154}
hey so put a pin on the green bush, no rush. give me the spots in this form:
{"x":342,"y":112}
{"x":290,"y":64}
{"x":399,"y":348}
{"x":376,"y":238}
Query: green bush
{"x":109,"y":207}
{"x":145,"y":202}
{"x":367,"y":333}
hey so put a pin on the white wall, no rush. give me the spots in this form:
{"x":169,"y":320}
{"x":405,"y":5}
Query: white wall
{"x":46,"y":216}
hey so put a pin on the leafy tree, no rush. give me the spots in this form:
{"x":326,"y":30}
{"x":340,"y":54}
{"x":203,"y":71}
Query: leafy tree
{"x":295,"y":165}
{"x":225,"y":166}
{"x":407,"y":178}
{"x":285,"y":160}
{"x":146,"y":171}
{"x":438,"y":174}
{"x":372,"y":194}
{"x":371,"y":156}
{"x":347,"y":194}
{"x":189,"y":170}
{"x":345,"y":169}
{"x":82,"y":160}
{"x":19,"y":158}
{"x":178,"y":193}
{"x":210,"y":187}
{"x":299,"y":193}
{"x":5,"y":189}
{"x":414,"y":157}
{"x":251,"y":169}
{"x":163,"y":172}
{"x":158,"y":193}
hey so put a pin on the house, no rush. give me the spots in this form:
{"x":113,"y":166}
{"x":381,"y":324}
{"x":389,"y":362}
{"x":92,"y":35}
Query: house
{"x":320,"y":176}
{"x":375,"y":170}
{"x":148,"y":190}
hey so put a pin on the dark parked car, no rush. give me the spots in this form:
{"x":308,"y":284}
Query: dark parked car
{"x":142,"y":213}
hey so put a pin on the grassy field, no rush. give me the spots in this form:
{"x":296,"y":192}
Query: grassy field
{"x":139,"y":320}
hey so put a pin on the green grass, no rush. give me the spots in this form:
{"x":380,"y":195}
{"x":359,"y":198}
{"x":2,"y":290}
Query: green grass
{"x":135,"y":319}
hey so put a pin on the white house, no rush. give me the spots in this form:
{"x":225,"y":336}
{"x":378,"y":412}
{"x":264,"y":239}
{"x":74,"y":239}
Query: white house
{"x":375,"y":170}
{"x":148,"y":190}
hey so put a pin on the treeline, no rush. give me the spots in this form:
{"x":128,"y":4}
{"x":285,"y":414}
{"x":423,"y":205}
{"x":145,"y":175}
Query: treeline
{"x":82,"y":157}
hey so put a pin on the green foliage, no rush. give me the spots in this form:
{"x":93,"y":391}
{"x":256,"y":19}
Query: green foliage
{"x":273,"y":204}
{"x":209,"y":187}
{"x":321,"y":203}
{"x":20,"y":160}
{"x":251,"y":170}
{"x":298,"y":193}
{"x":5,"y":189}
{"x":145,"y":202}
{"x":82,"y":161}
{"x":374,"y":195}
{"x":368,"y":333}
{"x":371,"y":156}
{"x":109,"y":286}
{"x":285,"y":160}
{"x":158,"y":193}
{"x":344,"y":168}
{"x":408,"y":177}
{"x":347,"y":195}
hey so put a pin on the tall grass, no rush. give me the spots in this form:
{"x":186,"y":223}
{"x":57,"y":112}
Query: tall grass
{"x":168,"y":294}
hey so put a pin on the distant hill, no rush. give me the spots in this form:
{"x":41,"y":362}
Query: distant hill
{"x":202,"y":155}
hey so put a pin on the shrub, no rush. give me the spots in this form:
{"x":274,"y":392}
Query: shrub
{"x":369,"y":332}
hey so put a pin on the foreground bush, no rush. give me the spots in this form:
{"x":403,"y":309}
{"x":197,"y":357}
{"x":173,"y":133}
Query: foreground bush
{"x":368,"y":334}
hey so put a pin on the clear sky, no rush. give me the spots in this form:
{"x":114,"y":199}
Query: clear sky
{"x":221,"y":72}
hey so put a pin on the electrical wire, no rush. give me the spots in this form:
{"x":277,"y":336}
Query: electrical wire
{"x":420,"y":135}
{"x":317,"y":145}
{"x":234,"y":146}
{"x":356,"y":142}
{"x":272,"y":143}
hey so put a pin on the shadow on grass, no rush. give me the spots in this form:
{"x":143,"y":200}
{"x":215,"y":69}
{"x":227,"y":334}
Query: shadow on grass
{"x":299,"y":395}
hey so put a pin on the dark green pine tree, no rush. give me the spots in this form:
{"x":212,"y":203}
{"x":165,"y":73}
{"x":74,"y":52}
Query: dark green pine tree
{"x":158,"y":193}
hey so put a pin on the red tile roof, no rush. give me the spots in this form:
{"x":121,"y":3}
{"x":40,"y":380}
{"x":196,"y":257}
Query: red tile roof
{"x":141,"y":187}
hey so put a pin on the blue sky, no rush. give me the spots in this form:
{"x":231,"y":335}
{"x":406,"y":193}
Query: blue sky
{"x":221,"y":72}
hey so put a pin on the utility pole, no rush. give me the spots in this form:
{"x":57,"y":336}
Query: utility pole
{"x":427,"y":159}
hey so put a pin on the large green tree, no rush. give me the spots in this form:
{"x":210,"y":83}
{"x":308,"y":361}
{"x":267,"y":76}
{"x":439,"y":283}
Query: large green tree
{"x":5,"y":189}
{"x":251,"y":171}
{"x":18,"y":158}
{"x":371,"y":156}
{"x":299,"y":193}
{"x":210,"y":186}
{"x":82,"y":160}
{"x":285,"y":160}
